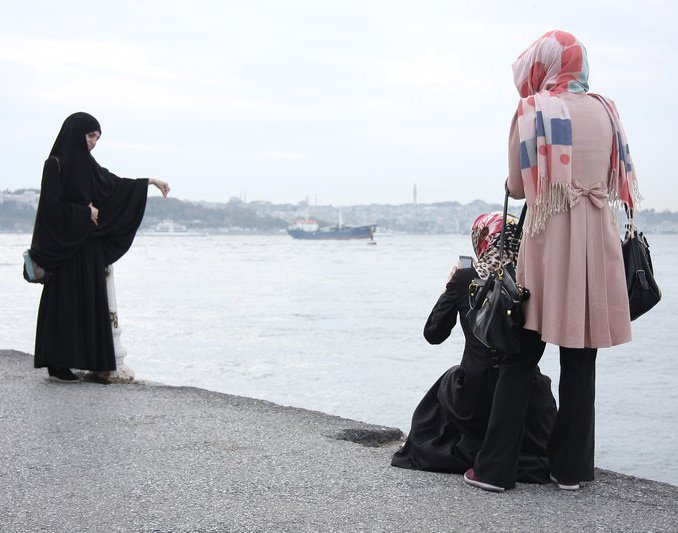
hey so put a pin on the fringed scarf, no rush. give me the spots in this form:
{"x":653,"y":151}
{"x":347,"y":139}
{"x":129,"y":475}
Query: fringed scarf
{"x":553,"y":64}
{"x":485,"y":238}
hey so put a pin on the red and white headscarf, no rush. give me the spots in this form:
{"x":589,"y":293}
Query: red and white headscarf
{"x":485,"y":237}
{"x":553,"y":64}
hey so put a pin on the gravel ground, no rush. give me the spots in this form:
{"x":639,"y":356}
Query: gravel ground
{"x":145,"y":457}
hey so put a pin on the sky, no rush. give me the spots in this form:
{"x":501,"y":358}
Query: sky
{"x":341,"y":102}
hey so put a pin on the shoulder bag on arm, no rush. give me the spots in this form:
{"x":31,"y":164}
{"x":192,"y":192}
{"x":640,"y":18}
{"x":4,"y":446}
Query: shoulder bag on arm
{"x":644,"y":293}
{"x":496,"y":316}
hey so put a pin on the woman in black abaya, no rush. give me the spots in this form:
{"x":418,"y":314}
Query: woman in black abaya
{"x":86,"y":220}
{"x":449,"y":424}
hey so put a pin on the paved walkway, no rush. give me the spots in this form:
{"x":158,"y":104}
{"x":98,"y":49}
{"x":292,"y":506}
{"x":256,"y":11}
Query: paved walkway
{"x":142,"y":457}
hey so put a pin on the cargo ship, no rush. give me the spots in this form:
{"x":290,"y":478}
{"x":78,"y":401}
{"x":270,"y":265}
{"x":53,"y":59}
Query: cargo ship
{"x":311,"y":230}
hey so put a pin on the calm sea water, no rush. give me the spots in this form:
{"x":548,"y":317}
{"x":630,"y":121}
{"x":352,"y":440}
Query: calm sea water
{"x":336,"y":327}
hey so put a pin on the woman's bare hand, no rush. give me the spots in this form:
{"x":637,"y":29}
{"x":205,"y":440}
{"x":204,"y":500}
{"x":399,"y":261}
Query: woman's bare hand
{"x":94,"y":214}
{"x":451,"y":274}
{"x":162,"y":186}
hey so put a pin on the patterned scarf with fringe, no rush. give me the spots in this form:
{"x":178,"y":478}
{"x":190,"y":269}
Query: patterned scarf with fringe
{"x":553,"y":64}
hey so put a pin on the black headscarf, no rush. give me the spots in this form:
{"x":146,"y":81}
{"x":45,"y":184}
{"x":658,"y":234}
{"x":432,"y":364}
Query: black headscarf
{"x":83,"y":179}
{"x":71,"y":180}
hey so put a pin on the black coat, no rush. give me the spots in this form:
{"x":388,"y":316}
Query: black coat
{"x":449,"y":424}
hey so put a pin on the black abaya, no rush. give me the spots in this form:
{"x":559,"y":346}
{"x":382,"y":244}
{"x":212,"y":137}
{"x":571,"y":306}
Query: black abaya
{"x":449,"y":424}
{"x":73,"y":326}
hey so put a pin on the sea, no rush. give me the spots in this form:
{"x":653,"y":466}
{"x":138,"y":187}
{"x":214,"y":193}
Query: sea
{"x":336,"y":326}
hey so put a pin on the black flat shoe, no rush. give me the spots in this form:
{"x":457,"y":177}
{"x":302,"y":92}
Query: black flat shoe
{"x":62,"y":375}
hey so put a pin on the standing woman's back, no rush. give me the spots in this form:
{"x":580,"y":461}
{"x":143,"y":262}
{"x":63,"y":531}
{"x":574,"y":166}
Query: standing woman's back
{"x":573,"y":267}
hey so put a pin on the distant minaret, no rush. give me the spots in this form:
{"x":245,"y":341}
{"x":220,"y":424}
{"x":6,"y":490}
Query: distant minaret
{"x":414,"y":194}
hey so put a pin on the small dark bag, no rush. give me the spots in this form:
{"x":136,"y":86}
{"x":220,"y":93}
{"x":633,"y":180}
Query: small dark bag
{"x":496,"y":313}
{"x":34,"y":273}
{"x":644,"y":293}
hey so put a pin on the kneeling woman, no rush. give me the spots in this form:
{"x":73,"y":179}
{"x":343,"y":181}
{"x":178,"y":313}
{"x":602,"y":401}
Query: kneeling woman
{"x":86,"y":220}
{"x":450,"y":422}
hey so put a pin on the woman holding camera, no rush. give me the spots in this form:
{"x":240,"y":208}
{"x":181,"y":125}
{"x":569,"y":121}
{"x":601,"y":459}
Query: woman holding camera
{"x":450,"y":422}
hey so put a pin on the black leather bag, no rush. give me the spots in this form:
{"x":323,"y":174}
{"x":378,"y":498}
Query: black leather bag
{"x":644,"y":293}
{"x":496,"y":313}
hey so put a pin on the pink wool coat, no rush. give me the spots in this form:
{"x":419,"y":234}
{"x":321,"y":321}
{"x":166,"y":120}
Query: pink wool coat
{"x":574,"y":268}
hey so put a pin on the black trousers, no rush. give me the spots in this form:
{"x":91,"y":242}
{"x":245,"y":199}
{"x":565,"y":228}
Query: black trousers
{"x":571,"y":446}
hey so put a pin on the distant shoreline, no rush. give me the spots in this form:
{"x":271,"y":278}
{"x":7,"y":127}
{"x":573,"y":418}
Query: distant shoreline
{"x":17,"y":215}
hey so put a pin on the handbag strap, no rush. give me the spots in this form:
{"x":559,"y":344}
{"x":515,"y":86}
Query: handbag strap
{"x":521,"y":221}
{"x":630,"y":225}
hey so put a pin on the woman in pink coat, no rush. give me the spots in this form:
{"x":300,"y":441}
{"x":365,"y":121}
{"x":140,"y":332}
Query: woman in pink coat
{"x":568,"y":157}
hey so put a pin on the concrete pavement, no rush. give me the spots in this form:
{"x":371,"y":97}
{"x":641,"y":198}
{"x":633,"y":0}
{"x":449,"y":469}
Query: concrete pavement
{"x":145,"y":457}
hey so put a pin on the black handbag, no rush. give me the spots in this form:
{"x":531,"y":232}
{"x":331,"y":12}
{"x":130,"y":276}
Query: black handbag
{"x":644,"y":293}
{"x":496,"y":315}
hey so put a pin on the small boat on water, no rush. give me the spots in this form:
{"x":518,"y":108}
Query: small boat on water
{"x":169,"y":228}
{"x":311,"y":230}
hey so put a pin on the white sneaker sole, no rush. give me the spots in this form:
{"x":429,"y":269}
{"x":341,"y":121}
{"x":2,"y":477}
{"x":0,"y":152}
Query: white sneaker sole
{"x":484,"y":486}
{"x":564,"y":487}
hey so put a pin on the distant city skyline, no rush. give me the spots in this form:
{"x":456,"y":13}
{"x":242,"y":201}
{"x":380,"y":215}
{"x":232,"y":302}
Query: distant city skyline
{"x":346,"y":102}
{"x":17,"y":214}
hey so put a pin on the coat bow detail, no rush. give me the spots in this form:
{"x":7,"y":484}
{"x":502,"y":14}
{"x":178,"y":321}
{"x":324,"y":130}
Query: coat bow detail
{"x":597,"y":193}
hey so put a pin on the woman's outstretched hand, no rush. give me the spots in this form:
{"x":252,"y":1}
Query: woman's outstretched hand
{"x":94,"y":214}
{"x":161,"y":185}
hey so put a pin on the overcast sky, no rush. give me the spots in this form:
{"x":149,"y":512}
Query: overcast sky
{"x":345,"y":101}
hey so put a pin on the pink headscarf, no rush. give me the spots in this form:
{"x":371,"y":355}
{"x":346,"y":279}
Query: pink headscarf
{"x":556,"y":62}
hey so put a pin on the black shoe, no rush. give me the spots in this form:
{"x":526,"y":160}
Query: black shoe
{"x":62,"y":375}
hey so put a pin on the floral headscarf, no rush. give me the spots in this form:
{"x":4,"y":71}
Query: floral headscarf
{"x":485,"y":237}
{"x":553,"y":64}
